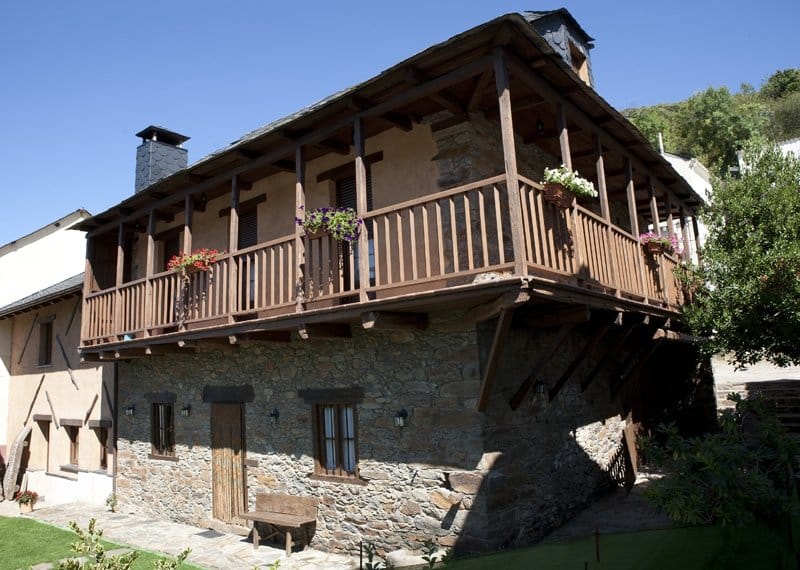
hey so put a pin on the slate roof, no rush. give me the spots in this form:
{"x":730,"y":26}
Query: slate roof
{"x":68,"y":288}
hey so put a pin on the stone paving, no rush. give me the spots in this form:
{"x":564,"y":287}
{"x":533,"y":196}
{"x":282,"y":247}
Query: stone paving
{"x":210,"y":549}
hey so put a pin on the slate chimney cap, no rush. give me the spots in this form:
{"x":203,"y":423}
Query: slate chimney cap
{"x":162,"y":135}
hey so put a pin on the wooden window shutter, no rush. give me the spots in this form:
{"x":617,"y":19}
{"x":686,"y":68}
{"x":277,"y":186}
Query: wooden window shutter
{"x":248,"y":229}
{"x":346,"y":192}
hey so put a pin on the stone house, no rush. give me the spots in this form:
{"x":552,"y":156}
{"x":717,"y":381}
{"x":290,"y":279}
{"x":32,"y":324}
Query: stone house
{"x":464,"y":371}
{"x":56,"y":411}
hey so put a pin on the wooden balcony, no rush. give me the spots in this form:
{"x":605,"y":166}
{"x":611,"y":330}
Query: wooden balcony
{"x":427,"y":245}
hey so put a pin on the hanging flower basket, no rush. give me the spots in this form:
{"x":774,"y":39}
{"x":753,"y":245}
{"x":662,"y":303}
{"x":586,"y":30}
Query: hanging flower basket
{"x":562,"y":185}
{"x":188,"y":263}
{"x":655,"y":244}
{"x":558,"y":195}
{"x":342,"y":224}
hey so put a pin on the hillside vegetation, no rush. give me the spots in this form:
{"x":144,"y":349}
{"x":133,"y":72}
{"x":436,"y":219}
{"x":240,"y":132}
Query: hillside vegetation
{"x":713,"y":124}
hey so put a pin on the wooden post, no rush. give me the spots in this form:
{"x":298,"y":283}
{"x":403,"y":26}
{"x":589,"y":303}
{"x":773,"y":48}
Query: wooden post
{"x":88,"y":286}
{"x":563,"y":137}
{"x":233,"y":246}
{"x":116,"y":319}
{"x":299,"y":243}
{"x":602,"y":189}
{"x":684,"y":234}
{"x":188,"y":212}
{"x":510,"y":157}
{"x":697,"y":245}
{"x":148,"y":271}
{"x":605,"y":210}
{"x":630,"y":191}
{"x":670,"y":221}
{"x":651,"y":189}
{"x":361,"y":208}
{"x":654,"y":206}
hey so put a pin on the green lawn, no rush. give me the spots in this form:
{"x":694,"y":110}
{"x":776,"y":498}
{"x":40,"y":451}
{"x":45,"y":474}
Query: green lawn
{"x":25,"y":542}
{"x":691,"y":548}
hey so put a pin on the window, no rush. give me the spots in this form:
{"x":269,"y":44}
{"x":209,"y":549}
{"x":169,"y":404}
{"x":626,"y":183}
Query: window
{"x":72,"y":434}
{"x":335,"y":431}
{"x":162,"y":434}
{"x":46,"y":343}
{"x":102,"y":436}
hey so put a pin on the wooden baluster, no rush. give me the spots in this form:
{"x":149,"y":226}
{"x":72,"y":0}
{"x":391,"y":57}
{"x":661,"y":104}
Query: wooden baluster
{"x":484,"y":233}
{"x":439,"y":237}
{"x":413,"y":231}
{"x":400,"y":246}
{"x":467,"y":225}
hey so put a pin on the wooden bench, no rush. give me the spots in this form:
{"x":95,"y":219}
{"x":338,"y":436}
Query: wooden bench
{"x":286,"y":512}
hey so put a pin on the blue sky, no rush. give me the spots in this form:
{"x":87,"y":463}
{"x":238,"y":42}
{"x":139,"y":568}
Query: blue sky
{"x":80,"y":78}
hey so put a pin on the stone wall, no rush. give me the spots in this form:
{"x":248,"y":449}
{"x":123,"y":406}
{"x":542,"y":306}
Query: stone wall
{"x":414,"y":474}
{"x":466,"y":479}
{"x":547,"y":458}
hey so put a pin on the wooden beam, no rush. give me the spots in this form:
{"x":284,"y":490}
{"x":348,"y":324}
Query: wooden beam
{"x":636,"y":370}
{"x":676,"y":336}
{"x":489,"y":310}
{"x":324,"y":330}
{"x":498,"y":342}
{"x":612,"y":352}
{"x":510,"y":158}
{"x":361,"y":207}
{"x":66,"y":362}
{"x":52,"y":409}
{"x":387,"y":320}
{"x":477,"y":92}
{"x":91,"y":407}
{"x":543,"y":361}
{"x":233,"y":246}
{"x":28,"y":336}
{"x":33,"y":400}
{"x":415,"y":76}
{"x":299,"y":240}
{"x":563,"y":136}
{"x":72,"y":316}
{"x":595,"y":336}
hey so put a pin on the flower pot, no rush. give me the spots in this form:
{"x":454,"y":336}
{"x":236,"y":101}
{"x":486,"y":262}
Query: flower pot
{"x":558,"y":195}
{"x":25,"y":508}
{"x":317,"y":234}
{"x":654,"y":248}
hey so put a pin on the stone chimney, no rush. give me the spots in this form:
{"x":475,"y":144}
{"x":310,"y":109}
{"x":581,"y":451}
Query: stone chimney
{"x":159,"y":155}
{"x":567,"y":38}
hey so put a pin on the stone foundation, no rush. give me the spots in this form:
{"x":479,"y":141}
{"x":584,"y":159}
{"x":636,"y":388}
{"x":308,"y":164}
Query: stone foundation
{"x":466,"y":479}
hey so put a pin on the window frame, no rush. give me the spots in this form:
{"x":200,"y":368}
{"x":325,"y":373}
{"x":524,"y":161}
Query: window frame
{"x":73,"y":434}
{"x":45,"y":356}
{"x":162,"y":438}
{"x":340,"y":400}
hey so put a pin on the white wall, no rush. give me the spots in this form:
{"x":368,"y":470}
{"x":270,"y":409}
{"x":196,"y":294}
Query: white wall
{"x":44,"y":258}
{"x":5,"y":365}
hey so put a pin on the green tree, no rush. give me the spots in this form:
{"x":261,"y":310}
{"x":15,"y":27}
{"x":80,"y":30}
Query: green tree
{"x":786,"y":117}
{"x":781,"y":83}
{"x":747,"y":300}
{"x":714,"y":124}
{"x":654,"y":120}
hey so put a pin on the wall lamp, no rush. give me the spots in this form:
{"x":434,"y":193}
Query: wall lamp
{"x":130,"y":410}
{"x":186,"y":411}
{"x":401,"y":418}
{"x":273,"y":416}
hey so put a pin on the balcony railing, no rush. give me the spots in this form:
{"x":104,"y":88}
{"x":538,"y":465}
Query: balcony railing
{"x":424,"y":244}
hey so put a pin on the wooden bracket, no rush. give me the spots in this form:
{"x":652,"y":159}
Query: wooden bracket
{"x":28,"y":337}
{"x":544,"y":360}
{"x":386,"y":320}
{"x":490,"y":310}
{"x":636,"y":370}
{"x":500,"y":334}
{"x":33,"y":400}
{"x":66,"y":362}
{"x":596,"y":335}
{"x":52,"y":410}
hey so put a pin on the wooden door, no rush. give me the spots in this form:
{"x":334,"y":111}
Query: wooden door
{"x":229,"y":487}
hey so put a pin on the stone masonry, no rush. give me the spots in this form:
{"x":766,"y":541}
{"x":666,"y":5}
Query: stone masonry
{"x":466,"y":479}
